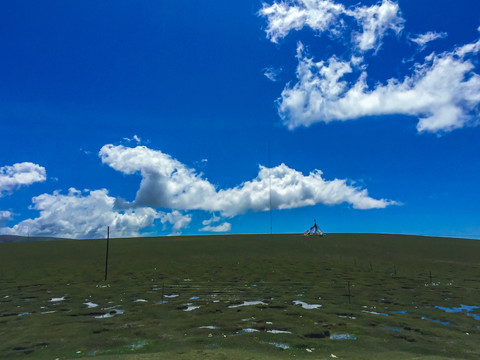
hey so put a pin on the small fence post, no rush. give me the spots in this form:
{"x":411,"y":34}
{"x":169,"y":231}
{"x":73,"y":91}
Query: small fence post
{"x":349,"y":293}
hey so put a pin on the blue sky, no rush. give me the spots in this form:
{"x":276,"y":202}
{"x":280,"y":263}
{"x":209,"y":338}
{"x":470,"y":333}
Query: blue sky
{"x":168,"y":117}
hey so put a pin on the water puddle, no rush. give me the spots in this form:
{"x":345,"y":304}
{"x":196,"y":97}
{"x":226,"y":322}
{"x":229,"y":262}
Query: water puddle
{"x":171,"y":296}
{"x":191,"y":307}
{"x":138,"y":345}
{"x":141,"y":300}
{"x":343,"y":337}
{"x":437,"y":321}
{"x":475,"y":316}
{"x":246,"y":331}
{"x":110,"y":314}
{"x":90,"y":305}
{"x":278,"y":345}
{"x":248,"y":303}
{"x":211,"y":327}
{"x":47,"y":312}
{"x":394,"y":329}
{"x":458,"y":309}
{"x":57,"y":299}
{"x":375,"y":313}
{"x":306,"y":306}
{"x":279,"y":332}
{"x":23,"y":314}
{"x":399,"y":312}
{"x":194,"y":298}
{"x":462,"y":308}
{"x":162,"y":302}
{"x":347,"y":317}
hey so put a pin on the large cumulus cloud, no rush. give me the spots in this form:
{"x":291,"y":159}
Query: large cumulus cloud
{"x":443,"y":92}
{"x":86,"y":214}
{"x":168,"y":183}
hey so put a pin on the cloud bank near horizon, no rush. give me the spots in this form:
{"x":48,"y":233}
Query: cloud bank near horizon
{"x":169,"y":189}
{"x":86,"y":214}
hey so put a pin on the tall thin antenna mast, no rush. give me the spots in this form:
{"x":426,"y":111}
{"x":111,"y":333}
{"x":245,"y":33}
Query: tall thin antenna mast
{"x":270,"y":189}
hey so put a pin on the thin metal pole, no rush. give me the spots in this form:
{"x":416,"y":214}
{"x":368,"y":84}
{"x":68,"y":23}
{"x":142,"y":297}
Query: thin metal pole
{"x":106,"y":257}
{"x":270,"y":189}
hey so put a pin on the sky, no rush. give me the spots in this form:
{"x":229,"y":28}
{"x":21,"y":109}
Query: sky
{"x":199,"y":117}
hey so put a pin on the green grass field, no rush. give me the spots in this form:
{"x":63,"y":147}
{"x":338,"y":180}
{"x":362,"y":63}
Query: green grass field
{"x":242,"y":297}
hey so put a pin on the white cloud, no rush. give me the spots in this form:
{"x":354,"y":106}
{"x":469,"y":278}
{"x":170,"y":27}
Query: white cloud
{"x":325,"y":16}
{"x":135,"y":138}
{"x":168,"y":183}
{"x":20,"y":174}
{"x":176,"y":219}
{"x":4,"y":216}
{"x":212,"y":220}
{"x":201,"y":164}
{"x":464,"y":50}
{"x":320,"y":15}
{"x":375,"y":21}
{"x":222,"y":228}
{"x":207,"y":225}
{"x":442,"y":92}
{"x":272,"y":73}
{"x":290,"y":189}
{"x":422,"y":39}
{"x":86,"y":215}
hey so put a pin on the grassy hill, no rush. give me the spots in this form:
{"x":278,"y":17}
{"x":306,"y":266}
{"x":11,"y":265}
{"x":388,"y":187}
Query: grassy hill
{"x":242,"y":296}
{"x":16,"y":238}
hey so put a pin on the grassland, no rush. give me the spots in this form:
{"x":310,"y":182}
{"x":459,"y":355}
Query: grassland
{"x":380,"y":291}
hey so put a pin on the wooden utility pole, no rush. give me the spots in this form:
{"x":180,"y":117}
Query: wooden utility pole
{"x":106,"y":257}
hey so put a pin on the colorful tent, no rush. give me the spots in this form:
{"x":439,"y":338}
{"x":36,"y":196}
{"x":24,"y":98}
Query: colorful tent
{"x":314,"y":230}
